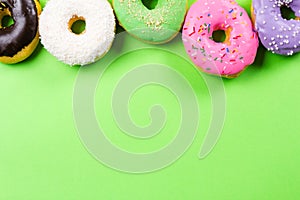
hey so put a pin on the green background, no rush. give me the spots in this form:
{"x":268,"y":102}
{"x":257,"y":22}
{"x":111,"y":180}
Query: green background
{"x":257,"y":156}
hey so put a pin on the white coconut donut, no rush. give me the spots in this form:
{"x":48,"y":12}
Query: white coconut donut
{"x":77,"y":49}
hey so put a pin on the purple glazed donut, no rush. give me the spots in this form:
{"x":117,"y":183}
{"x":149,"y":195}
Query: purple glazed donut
{"x":279,"y":35}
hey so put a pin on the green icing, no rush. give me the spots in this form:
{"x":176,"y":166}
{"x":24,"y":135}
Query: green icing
{"x":156,"y":25}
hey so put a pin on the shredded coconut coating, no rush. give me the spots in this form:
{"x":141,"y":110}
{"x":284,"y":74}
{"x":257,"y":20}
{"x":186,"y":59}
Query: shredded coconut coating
{"x":71,"y":48}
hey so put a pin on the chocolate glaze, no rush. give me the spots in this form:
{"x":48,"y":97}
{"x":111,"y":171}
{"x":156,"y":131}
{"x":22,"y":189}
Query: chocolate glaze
{"x":14,"y":38}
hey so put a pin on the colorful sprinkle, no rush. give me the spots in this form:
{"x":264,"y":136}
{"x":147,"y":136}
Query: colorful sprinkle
{"x":238,"y":47}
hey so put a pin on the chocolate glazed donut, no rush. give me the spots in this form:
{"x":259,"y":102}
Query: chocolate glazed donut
{"x":19,"y":40}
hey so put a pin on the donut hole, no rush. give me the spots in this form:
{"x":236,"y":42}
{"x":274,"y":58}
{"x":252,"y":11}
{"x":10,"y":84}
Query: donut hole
{"x":150,"y":4}
{"x":219,"y":36}
{"x":7,"y":21}
{"x":77,"y":25}
{"x":287,"y":13}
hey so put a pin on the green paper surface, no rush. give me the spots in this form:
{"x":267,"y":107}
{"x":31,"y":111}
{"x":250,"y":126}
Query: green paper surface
{"x":256,"y":156}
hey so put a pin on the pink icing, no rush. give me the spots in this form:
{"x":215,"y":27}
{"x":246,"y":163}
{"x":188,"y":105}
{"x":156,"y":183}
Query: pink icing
{"x":227,"y":58}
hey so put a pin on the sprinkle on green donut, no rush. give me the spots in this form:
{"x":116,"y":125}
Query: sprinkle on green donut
{"x":154,"y":25}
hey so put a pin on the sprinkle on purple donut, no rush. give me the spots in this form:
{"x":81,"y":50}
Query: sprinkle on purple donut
{"x":278,"y":35}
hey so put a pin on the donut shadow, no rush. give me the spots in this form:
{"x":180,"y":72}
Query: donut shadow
{"x":255,"y":66}
{"x":119,"y":29}
{"x":35,"y":53}
{"x":260,"y":57}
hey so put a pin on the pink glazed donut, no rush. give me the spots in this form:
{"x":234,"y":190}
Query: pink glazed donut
{"x":229,"y":58}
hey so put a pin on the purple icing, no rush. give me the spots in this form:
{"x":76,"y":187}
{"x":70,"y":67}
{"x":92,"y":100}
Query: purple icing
{"x":278,"y":35}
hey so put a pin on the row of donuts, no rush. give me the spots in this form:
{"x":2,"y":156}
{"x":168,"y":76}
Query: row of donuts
{"x":153,"y":22}
{"x":228,"y":59}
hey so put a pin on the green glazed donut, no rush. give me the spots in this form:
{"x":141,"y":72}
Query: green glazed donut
{"x":153,"y":21}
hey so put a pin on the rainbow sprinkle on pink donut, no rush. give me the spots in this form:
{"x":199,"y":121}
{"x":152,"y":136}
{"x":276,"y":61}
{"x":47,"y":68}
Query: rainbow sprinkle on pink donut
{"x":229,"y":58}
